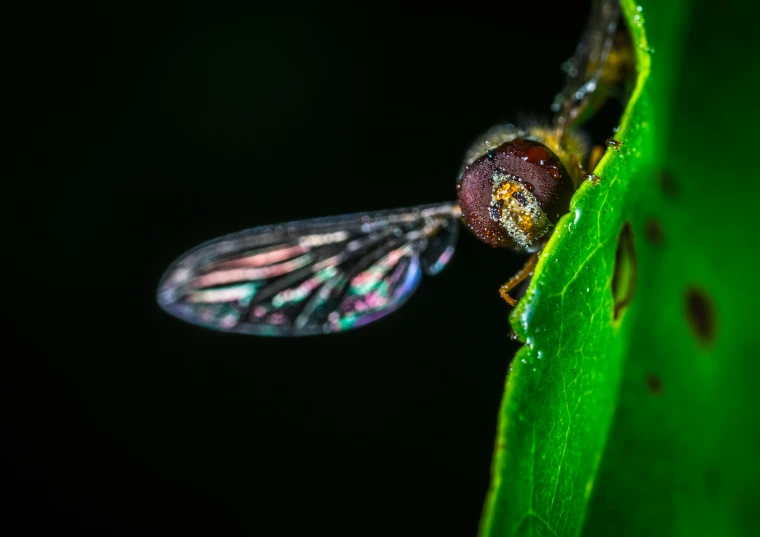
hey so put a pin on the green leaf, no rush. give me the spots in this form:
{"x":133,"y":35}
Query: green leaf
{"x":645,"y":422}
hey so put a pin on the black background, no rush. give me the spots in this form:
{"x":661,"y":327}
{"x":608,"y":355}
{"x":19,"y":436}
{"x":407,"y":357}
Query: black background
{"x":139,"y":132}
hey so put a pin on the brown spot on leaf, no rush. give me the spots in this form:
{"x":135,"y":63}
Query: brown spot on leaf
{"x":654,"y":232}
{"x":654,"y":384}
{"x":700,"y":313}
{"x":668,"y":184}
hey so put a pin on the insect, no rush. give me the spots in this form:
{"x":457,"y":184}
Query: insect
{"x":332,"y":274}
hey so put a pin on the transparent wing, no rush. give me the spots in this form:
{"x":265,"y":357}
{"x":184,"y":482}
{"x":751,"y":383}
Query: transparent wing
{"x":587,"y":65}
{"x":311,"y":276}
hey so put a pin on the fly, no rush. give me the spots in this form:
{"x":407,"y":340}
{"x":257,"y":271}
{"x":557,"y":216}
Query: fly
{"x":332,"y":274}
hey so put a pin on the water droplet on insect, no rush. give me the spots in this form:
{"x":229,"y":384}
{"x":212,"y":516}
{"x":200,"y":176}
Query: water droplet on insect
{"x":639,"y":8}
{"x":534,"y":369}
{"x":588,"y":289}
{"x":615,"y":144}
{"x":540,"y":355}
{"x":523,"y":361}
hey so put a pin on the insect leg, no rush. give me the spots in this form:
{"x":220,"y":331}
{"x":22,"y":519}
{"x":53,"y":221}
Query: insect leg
{"x":597,"y":152}
{"x":524,"y":273}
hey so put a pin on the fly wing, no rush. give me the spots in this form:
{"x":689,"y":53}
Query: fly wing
{"x":586,"y":67}
{"x":311,"y":276}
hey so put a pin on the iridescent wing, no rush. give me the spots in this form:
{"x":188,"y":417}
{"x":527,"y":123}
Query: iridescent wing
{"x":311,"y":276}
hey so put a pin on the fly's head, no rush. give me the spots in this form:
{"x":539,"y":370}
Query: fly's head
{"x":512,"y":190}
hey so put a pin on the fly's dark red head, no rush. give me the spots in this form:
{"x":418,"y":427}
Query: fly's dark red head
{"x":512,"y":195}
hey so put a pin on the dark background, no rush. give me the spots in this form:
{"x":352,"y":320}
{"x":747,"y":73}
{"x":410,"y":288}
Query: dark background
{"x":138,"y":133}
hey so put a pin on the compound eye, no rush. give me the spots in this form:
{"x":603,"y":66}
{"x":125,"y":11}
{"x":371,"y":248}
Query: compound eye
{"x":513,"y":195}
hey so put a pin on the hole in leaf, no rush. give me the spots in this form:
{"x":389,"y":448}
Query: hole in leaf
{"x":700,"y":313}
{"x":654,"y":384}
{"x":668,"y":184}
{"x":626,"y":269}
{"x":654,"y":233}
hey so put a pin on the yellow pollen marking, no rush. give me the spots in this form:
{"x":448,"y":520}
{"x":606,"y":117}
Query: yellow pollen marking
{"x":520,"y":213}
